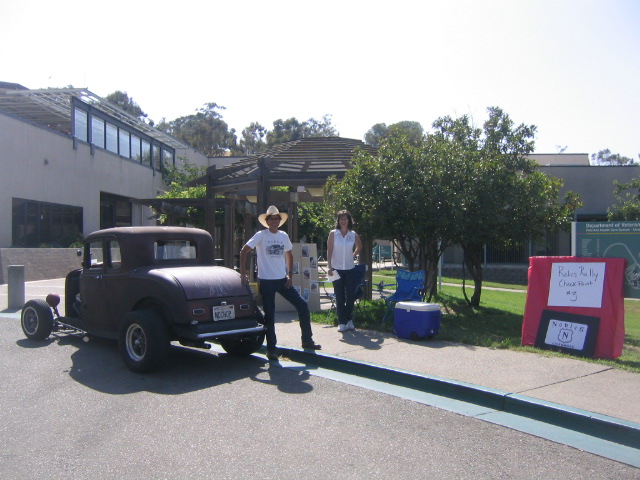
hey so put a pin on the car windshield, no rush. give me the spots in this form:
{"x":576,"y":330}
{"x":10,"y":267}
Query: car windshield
{"x":175,"y":250}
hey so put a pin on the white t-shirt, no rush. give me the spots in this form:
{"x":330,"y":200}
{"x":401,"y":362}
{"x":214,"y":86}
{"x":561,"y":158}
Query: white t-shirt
{"x":270,"y":250}
{"x":343,"y":247}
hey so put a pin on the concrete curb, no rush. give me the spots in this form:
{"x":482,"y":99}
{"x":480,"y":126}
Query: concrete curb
{"x":612,"y":429}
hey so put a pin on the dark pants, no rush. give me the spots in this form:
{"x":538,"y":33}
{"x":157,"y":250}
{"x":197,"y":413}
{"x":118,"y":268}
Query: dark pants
{"x":345,"y":291}
{"x":268,"y":290}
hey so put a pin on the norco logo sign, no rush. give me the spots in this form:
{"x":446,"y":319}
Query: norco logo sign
{"x":566,"y":334}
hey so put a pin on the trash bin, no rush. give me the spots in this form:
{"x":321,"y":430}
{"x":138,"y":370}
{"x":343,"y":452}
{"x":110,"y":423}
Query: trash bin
{"x":416,"y":320}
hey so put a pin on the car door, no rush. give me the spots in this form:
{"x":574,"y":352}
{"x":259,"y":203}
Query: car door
{"x":95,"y":301}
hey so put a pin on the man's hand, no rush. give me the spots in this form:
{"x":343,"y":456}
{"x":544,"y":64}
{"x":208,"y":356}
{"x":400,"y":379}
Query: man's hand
{"x":289,"y":281}
{"x":243,"y":277}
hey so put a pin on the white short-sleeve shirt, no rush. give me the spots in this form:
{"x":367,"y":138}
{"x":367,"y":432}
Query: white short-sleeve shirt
{"x":270,"y":250}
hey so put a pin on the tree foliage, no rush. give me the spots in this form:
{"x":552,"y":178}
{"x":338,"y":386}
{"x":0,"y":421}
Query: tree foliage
{"x":503,"y":198}
{"x":605,"y":157}
{"x":293,"y":129}
{"x":393,"y":196}
{"x":413,"y":132}
{"x":176,"y":177}
{"x":628,"y":201}
{"x":205,"y":131}
{"x":253,"y":139}
{"x":458,"y":185}
{"x":124,"y":102}
{"x":313,"y":225}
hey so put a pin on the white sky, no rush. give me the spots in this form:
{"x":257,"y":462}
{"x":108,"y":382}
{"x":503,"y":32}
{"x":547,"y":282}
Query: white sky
{"x":570,"y":67}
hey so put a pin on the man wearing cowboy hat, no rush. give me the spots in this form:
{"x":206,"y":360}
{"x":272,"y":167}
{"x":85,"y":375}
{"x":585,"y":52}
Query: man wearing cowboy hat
{"x":273,"y":249}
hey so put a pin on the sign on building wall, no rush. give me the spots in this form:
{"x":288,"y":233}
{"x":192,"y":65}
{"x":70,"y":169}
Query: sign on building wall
{"x":620,"y":239}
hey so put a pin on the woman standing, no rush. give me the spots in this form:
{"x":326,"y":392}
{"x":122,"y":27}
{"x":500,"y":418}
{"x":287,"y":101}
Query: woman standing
{"x":342,"y":246}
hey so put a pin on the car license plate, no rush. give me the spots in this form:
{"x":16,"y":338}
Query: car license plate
{"x":224,"y":312}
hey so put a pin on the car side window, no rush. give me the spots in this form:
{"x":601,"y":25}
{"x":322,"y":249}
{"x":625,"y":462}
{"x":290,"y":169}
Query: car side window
{"x":114,"y":255}
{"x":94,"y":259}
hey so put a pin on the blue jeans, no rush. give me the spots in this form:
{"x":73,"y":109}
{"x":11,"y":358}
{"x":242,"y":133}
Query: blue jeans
{"x":345,"y":291}
{"x":268,"y":290}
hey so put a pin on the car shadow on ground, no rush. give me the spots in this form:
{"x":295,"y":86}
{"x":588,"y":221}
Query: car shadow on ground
{"x":97,"y":365}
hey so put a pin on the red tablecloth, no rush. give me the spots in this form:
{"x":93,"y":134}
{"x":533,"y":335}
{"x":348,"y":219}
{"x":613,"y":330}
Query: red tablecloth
{"x":610,"y":336}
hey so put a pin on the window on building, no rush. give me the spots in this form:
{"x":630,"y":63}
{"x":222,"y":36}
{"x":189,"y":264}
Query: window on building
{"x":97,"y":132}
{"x":136,"y":148}
{"x":156,"y":157}
{"x":167,"y":159}
{"x":115,"y":211}
{"x":80,"y":124}
{"x":123,"y":139}
{"x":112,"y":134}
{"x":36,"y":224}
{"x":112,"y":138}
{"x":146,"y":152}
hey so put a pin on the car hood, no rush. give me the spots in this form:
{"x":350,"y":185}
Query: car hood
{"x":206,"y":282}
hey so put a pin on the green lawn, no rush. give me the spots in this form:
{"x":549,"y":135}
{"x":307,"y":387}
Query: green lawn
{"x":496,"y":324}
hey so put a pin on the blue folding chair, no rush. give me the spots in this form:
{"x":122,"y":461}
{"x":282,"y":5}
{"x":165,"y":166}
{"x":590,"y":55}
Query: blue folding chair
{"x":409,"y":288}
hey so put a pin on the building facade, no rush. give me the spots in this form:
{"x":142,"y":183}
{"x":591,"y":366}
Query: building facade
{"x":72,"y":163}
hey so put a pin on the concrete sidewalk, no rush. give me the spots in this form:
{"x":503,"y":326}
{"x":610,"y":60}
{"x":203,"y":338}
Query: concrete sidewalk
{"x":571,"y":382}
{"x":594,"y":390}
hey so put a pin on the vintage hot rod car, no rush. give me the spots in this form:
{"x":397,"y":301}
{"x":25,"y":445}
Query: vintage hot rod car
{"x":146,"y":287}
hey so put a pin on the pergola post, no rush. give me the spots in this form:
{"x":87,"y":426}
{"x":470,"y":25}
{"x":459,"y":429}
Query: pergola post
{"x":229,"y":230}
{"x":263,"y":186}
{"x":210,"y":204}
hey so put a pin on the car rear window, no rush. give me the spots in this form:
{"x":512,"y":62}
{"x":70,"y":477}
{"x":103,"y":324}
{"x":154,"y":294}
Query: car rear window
{"x":175,"y":250}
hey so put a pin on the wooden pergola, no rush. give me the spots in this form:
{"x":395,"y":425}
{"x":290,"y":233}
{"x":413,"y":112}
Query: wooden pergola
{"x":302,"y":165}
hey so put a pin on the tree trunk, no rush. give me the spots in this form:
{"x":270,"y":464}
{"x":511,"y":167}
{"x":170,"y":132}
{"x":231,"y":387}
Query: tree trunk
{"x":432,"y":258}
{"x":473,"y":263}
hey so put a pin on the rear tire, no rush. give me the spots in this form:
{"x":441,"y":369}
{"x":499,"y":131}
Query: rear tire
{"x":243,"y":346}
{"x":143,"y":341}
{"x":36,"y":320}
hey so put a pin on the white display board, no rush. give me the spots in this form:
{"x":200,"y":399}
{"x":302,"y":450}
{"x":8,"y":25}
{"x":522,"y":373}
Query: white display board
{"x":576,"y":284}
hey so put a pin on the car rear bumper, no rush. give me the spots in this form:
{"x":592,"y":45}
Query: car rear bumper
{"x":212,"y":330}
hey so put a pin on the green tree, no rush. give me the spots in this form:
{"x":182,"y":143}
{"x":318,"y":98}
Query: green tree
{"x":498,"y":196}
{"x":176,"y":177}
{"x":312,"y":223}
{"x":253,"y":139}
{"x":375,"y":134}
{"x":293,"y":129}
{"x":605,"y":157}
{"x":412,"y":130}
{"x":205,"y":131}
{"x":458,"y":185}
{"x":628,"y":198}
{"x":124,"y":102}
{"x":395,"y":196}
{"x":319,"y":128}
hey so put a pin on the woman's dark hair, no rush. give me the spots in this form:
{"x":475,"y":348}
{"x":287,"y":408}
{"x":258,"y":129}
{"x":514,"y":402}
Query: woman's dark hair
{"x":339,"y":214}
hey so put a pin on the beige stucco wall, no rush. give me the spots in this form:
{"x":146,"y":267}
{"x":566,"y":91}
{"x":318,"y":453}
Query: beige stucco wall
{"x":40,"y":164}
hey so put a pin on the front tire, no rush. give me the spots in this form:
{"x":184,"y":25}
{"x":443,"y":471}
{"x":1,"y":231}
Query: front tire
{"x":36,"y":320}
{"x":143,"y":341}
{"x":243,"y":346}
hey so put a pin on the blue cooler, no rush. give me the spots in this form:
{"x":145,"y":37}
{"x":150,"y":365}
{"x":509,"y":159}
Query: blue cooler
{"x":416,"y":320}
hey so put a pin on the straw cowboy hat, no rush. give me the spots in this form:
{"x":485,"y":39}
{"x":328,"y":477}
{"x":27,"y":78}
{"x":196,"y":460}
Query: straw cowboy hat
{"x":272,"y":210}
